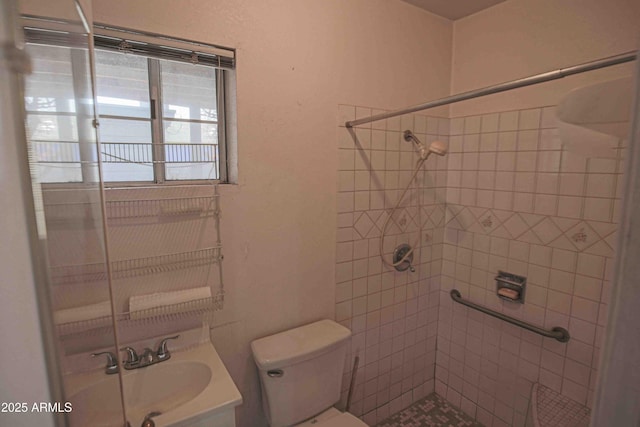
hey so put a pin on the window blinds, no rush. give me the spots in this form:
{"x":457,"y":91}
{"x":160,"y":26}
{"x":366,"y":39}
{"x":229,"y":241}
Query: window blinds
{"x":163,"y":47}
{"x":134,"y":43}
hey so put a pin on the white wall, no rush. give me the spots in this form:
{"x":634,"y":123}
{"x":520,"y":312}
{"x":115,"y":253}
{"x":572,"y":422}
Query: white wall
{"x":519,"y":38}
{"x":297,"y":60}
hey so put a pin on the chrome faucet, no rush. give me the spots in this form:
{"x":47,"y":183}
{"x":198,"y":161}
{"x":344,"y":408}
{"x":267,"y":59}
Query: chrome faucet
{"x":132,"y":358}
{"x":163,"y":352}
{"x":112,"y":362}
{"x":148,"y":357}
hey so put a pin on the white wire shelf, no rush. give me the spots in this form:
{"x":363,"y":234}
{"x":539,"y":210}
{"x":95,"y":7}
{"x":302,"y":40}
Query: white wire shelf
{"x":118,"y":209}
{"x":94,"y":272}
{"x":66,"y":152}
{"x":165,"y":313}
{"x":121,"y":209}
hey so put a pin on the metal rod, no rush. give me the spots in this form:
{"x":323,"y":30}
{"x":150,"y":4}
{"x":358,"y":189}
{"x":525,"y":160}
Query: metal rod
{"x":352,"y":384}
{"x":560,"y":334}
{"x":502,"y":87}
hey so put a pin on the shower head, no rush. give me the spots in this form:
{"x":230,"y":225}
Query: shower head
{"x":436,"y":147}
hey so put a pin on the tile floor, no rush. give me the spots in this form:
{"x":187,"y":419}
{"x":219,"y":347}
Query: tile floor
{"x":432,"y":411}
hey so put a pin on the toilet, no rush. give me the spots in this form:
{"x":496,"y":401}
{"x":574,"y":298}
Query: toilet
{"x":301,"y":375}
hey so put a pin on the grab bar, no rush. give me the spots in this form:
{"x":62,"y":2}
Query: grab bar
{"x":560,"y":334}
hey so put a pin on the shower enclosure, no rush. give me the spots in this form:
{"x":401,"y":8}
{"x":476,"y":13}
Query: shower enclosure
{"x":525,"y":199}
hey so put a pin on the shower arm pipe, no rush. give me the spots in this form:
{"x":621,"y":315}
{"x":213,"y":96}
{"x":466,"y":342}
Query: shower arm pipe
{"x":558,"y":333}
{"x":502,"y":87}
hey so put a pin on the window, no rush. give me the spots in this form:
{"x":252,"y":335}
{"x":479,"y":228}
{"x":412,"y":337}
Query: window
{"x":161,"y":110}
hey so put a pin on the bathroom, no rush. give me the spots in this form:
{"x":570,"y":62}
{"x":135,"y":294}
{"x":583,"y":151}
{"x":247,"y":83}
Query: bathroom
{"x":302,"y":209}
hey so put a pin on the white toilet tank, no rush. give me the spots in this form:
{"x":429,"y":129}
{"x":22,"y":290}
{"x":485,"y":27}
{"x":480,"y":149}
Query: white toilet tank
{"x":301,"y":370}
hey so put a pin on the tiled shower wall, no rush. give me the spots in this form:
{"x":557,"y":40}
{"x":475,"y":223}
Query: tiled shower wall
{"x":506,"y":197}
{"x":518,"y":202}
{"x":393,"y":315}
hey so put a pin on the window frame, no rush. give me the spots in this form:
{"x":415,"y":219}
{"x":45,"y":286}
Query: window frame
{"x":157,"y":132}
{"x":221,"y":58}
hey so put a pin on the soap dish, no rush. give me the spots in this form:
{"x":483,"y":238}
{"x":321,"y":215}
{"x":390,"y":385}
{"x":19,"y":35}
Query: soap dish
{"x":510,"y":287}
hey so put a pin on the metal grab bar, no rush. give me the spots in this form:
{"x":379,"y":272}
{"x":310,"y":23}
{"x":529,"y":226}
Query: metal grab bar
{"x":560,"y":334}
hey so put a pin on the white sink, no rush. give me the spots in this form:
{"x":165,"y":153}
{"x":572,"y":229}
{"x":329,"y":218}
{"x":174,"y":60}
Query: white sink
{"x":191,"y":388}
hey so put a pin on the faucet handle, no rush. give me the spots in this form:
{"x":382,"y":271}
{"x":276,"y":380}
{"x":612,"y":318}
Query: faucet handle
{"x":112,"y":362}
{"x":163,"y":352}
{"x":148,"y":422}
{"x":147,"y":356}
{"x":132,"y":356}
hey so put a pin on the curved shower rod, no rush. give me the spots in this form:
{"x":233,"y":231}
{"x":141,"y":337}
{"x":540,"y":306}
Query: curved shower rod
{"x":502,"y":87}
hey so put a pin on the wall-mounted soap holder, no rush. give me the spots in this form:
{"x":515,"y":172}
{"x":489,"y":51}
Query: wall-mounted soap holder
{"x":511,"y":287}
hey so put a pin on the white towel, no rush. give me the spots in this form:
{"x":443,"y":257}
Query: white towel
{"x":83,"y":312}
{"x":161,"y":299}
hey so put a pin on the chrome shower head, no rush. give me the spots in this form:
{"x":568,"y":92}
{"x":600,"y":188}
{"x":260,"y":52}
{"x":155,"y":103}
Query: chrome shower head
{"x":436,"y":147}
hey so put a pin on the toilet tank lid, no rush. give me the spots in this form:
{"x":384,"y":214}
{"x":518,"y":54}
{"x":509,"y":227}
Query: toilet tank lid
{"x":298,"y":344}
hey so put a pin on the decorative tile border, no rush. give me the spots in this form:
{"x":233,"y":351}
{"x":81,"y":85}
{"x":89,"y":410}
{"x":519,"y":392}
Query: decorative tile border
{"x":591,"y":237}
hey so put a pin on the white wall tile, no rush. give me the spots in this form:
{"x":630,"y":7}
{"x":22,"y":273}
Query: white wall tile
{"x":508,"y":121}
{"x":601,"y":185}
{"x":570,"y":207}
{"x":506,"y":161}
{"x":526,"y":161}
{"x":530,"y":119}
{"x":549,"y":161}
{"x":456,"y":126}
{"x":588,"y":287}
{"x":488,"y":142}
{"x":489,"y":123}
{"x":564,"y":260}
{"x":550,"y":140}
{"x":591,"y":265}
{"x":523,"y":202}
{"x":561,"y":281}
{"x":572,"y":184}
{"x":598,"y":209}
{"x":507,"y":141}
{"x":547,"y":183}
{"x":548,"y":118}
{"x":524,"y":182}
{"x":585,"y":309}
{"x":545,"y":204}
{"x":472,"y":124}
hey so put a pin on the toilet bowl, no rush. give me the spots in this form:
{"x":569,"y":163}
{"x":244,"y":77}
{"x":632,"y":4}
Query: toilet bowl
{"x":301,"y":375}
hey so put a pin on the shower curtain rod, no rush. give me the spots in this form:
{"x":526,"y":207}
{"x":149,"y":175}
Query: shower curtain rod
{"x":502,"y":87}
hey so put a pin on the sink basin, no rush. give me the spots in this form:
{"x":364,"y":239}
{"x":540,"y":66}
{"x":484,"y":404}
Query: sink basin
{"x":193,"y":384}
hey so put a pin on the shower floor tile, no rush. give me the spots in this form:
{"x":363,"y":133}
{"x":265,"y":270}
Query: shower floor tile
{"x":432,"y":411}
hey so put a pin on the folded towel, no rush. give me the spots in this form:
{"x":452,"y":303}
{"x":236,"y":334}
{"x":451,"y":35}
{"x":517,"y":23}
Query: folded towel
{"x":83,"y":312}
{"x":144,"y":302}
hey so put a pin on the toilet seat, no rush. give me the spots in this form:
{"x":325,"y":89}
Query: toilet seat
{"x":333,"y":418}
